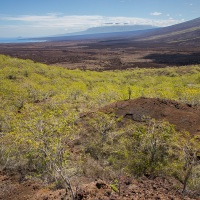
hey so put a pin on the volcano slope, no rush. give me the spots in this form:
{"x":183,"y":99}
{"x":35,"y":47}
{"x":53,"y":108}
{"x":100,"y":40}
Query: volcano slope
{"x":184,"y":117}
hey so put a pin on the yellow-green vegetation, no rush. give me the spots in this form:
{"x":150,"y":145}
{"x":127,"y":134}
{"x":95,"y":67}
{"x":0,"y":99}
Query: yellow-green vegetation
{"x":154,"y":150}
{"x":25,"y":82}
{"x":40,"y":124}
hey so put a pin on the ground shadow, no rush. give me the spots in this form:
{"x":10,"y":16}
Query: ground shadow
{"x":175,"y":59}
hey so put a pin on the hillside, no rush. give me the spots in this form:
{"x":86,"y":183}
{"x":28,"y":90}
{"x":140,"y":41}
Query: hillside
{"x":186,"y":33}
{"x":59,"y":140}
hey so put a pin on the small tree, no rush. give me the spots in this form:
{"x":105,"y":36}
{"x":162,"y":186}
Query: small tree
{"x":189,"y":147}
{"x":129,"y":93}
{"x":149,"y":148}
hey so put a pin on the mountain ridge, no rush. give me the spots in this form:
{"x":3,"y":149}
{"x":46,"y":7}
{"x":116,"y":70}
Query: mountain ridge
{"x":96,"y":36}
{"x":107,"y":29}
{"x":184,"y":33}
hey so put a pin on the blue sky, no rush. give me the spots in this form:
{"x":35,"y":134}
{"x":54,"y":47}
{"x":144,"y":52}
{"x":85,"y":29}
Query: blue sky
{"x":33,"y":18}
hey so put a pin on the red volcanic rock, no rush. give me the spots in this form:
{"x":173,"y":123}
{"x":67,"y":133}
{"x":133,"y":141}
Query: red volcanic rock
{"x":183,"y":116}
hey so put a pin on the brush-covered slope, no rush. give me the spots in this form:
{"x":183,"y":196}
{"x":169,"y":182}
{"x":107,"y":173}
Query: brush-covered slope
{"x":187,"y":33}
{"x":43,"y":136}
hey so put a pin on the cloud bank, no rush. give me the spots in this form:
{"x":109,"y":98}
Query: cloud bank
{"x":51,"y":24}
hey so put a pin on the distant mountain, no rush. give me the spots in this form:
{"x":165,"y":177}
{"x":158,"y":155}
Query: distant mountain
{"x":113,"y":29}
{"x":183,"y":33}
{"x":104,"y":32}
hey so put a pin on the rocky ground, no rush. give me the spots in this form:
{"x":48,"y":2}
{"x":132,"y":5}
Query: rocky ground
{"x":12,"y":188}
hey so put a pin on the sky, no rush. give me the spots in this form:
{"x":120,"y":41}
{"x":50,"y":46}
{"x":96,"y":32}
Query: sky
{"x":35,"y":18}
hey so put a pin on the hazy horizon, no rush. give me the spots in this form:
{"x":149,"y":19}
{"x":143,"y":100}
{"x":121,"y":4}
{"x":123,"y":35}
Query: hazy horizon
{"x":45,"y":18}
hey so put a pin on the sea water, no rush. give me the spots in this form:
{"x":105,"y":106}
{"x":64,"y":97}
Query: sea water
{"x":19,"y":40}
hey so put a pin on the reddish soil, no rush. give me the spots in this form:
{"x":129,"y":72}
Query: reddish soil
{"x":12,"y":188}
{"x":183,"y":116}
{"x":132,"y":189}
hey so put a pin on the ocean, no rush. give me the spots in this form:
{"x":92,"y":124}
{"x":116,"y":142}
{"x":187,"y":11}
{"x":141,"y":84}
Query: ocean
{"x":18,"y":40}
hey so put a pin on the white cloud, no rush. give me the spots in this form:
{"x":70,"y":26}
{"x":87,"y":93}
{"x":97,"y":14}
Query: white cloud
{"x":51,"y":24}
{"x":156,"y":13}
